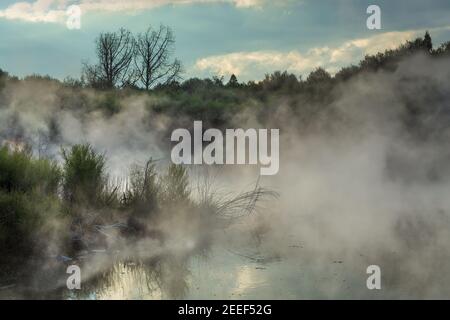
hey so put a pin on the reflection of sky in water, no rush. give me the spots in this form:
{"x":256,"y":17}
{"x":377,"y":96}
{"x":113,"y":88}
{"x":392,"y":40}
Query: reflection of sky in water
{"x":225,"y":275}
{"x":127,"y":284}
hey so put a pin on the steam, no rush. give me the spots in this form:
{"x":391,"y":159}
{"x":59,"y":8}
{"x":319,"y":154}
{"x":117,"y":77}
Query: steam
{"x":364,"y":184}
{"x":374,"y":190}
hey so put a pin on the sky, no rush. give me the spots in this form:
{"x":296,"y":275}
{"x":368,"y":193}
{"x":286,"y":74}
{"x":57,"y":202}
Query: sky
{"x":217,"y":37}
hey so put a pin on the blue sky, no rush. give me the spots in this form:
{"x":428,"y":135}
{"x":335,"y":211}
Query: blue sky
{"x":217,"y":37}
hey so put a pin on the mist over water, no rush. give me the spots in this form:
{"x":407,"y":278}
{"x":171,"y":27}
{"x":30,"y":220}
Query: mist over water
{"x":357,"y":187}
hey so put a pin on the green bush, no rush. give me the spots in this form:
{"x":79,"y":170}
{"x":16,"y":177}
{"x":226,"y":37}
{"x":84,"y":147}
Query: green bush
{"x":109,"y":103}
{"x":20,"y":172}
{"x":28,"y":204}
{"x":84,"y":178}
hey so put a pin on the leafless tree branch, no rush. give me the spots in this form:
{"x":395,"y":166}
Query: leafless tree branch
{"x":153,"y":57}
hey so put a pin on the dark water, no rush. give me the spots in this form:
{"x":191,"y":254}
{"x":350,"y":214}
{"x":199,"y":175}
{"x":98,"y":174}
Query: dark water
{"x":225,"y":274}
{"x":222,"y":274}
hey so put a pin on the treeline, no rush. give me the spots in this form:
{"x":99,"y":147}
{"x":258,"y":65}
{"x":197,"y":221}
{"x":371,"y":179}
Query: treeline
{"x":214,"y":101}
{"x":144,"y":62}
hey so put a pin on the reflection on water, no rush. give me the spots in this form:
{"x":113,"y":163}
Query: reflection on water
{"x":127,"y":282}
{"x":225,"y":275}
{"x":221,"y":274}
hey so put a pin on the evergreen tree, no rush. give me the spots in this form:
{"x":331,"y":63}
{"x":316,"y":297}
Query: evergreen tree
{"x":233,"y":83}
{"x":428,"y":42}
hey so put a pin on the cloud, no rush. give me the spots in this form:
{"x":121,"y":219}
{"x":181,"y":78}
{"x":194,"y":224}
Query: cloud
{"x":248,"y":3}
{"x":54,"y":11}
{"x":240,"y":63}
{"x":255,"y":64}
{"x":38,"y":11}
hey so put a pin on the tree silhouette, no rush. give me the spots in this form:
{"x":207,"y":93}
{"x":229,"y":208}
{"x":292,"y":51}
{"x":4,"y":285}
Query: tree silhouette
{"x":428,"y":42}
{"x":233,"y":83}
{"x":3,"y":75}
{"x":444,"y":49}
{"x":115,"y":51}
{"x":153,"y":57}
{"x":318,"y":75}
{"x":280,"y":80}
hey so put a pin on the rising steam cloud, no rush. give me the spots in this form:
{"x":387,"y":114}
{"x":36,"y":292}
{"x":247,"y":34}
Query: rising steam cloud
{"x":357,"y":188}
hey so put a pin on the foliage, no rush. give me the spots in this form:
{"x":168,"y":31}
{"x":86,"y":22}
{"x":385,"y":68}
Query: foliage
{"x":28,"y":203}
{"x":84,"y":178}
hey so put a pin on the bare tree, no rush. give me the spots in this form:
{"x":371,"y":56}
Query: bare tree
{"x":115,"y":52}
{"x":153,"y":61}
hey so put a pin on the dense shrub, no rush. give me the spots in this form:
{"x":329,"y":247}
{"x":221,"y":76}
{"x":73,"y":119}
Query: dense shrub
{"x":84,"y":178}
{"x":29,"y":204}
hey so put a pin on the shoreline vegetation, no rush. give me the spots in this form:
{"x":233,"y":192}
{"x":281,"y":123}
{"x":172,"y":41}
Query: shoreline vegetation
{"x":54,"y":213}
